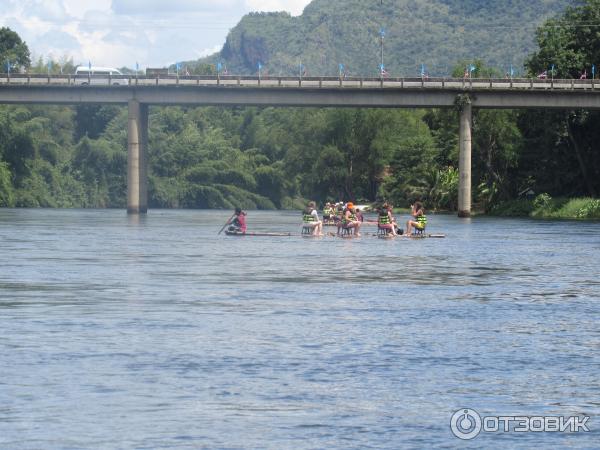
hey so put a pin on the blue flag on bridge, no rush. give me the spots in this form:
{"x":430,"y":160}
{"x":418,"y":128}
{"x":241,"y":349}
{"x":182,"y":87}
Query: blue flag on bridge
{"x":512,"y":71}
{"x":90,"y":65}
{"x":49,"y":67}
{"x":8,"y":66}
{"x":137,"y":67}
{"x":422,"y":70}
{"x":219,"y":67}
{"x":593,"y":72}
{"x":382,"y":32}
{"x":341,"y":69}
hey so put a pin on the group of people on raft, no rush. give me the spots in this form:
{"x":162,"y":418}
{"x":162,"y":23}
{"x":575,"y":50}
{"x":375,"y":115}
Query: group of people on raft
{"x":348,"y":217}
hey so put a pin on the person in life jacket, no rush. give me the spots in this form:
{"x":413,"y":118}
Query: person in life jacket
{"x":328,"y":213}
{"x":310,"y":219}
{"x":349,"y":219}
{"x":339,"y":212}
{"x":420,"y":220}
{"x":385,"y":220}
{"x":238,"y":222}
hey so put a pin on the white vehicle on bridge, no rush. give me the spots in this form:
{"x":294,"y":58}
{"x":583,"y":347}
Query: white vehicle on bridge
{"x":96,"y":75}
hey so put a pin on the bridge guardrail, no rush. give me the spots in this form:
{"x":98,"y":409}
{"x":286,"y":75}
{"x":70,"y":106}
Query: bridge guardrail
{"x":306,"y":82}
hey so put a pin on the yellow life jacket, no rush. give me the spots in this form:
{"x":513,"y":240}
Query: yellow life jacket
{"x":384,"y":219}
{"x":308,"y":217}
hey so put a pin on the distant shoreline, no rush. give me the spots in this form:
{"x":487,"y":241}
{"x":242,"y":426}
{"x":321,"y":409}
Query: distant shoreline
{"x":546,"y":207}
{"x":542,"y":207}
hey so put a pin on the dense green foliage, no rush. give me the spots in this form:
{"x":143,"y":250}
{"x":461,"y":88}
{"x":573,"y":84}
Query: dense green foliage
{"x":14,"y":53}
{"x":562,"y":154}
{"x":214,"y":157}
{"x":436,"y":33}
{"x":278,"y":157}
{"x":546,"y":207}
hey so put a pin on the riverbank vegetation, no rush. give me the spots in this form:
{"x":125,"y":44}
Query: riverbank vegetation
{"x":59,"y":156}
{"x":546,"y":207}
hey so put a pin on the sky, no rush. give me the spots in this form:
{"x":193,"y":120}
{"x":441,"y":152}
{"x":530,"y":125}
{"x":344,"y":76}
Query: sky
{"x":117,"y":33}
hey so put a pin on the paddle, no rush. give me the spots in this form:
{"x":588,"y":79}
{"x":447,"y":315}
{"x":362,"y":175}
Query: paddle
{"x":226,"y":223}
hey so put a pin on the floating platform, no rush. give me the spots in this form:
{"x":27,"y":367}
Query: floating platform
{"x":330,"y":234}
{"x":412,"y":236}
{"x":237,"y":233}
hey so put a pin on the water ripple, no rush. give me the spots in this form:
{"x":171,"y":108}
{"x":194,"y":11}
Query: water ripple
{"x":157,"y":333}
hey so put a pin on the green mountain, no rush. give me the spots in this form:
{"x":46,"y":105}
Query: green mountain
{"x":437,"y":33}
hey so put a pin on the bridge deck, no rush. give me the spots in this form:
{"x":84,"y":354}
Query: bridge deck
{"x":306,"y":82}
{"x":296,"y":91}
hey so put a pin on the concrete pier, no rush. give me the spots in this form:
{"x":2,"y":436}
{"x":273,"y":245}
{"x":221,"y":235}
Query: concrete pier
{"x":464,"y":162}
{"x":137,"y":173}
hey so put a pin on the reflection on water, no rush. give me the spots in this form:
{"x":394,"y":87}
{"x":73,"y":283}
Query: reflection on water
{"x":152,"y":331}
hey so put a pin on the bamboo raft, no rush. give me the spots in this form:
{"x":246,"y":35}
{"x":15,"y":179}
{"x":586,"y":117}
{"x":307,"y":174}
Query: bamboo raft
{"x":237,"y":233}
{"x":412,"y":236}
{"x":330,"y":234}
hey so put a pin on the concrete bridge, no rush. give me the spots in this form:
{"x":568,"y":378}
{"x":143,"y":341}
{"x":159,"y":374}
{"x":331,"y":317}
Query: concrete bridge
{"x":140,"y":92}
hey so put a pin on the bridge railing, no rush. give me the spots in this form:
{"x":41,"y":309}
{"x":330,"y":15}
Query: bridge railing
{"x":304,"y":82}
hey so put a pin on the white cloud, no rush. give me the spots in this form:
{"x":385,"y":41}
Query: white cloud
{"x":53,"y":11}
{"x":121,"y":32}
{"x":208,"y":51}
{"x":79,"y":8}
{"x":171,"y":7}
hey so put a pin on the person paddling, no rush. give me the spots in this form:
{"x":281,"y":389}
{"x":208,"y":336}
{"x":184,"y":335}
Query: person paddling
{"x":238,"y":222}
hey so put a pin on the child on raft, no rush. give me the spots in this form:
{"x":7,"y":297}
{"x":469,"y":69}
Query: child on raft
{"x":420,"y":220}
{"x":385,"y":220}
{"x":310,"y":219}
{"x":329,"y":214}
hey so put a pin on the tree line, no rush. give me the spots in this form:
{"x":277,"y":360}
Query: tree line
{"x":211,"y":157}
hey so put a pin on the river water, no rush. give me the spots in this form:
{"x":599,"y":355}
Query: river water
{"x":154,"y":332}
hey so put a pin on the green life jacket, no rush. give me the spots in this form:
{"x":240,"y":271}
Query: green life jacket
{"x":352,"y":218}
{"x":308,"y":218}
{"x":384,"y":219}
{"x":421,"y":221}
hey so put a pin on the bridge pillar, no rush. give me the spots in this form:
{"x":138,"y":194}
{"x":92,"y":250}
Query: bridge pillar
{"x":137,"y":142}
{"x":464,"y":161}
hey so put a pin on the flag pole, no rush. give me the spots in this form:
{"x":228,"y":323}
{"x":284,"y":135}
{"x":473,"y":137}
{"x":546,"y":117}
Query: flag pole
{"x":382,"y":35}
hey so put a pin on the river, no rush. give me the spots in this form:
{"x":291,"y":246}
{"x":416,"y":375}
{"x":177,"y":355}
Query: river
{"x":153,"y":332}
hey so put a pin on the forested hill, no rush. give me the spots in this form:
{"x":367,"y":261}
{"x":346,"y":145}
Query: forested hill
{"x":436,"y":33}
